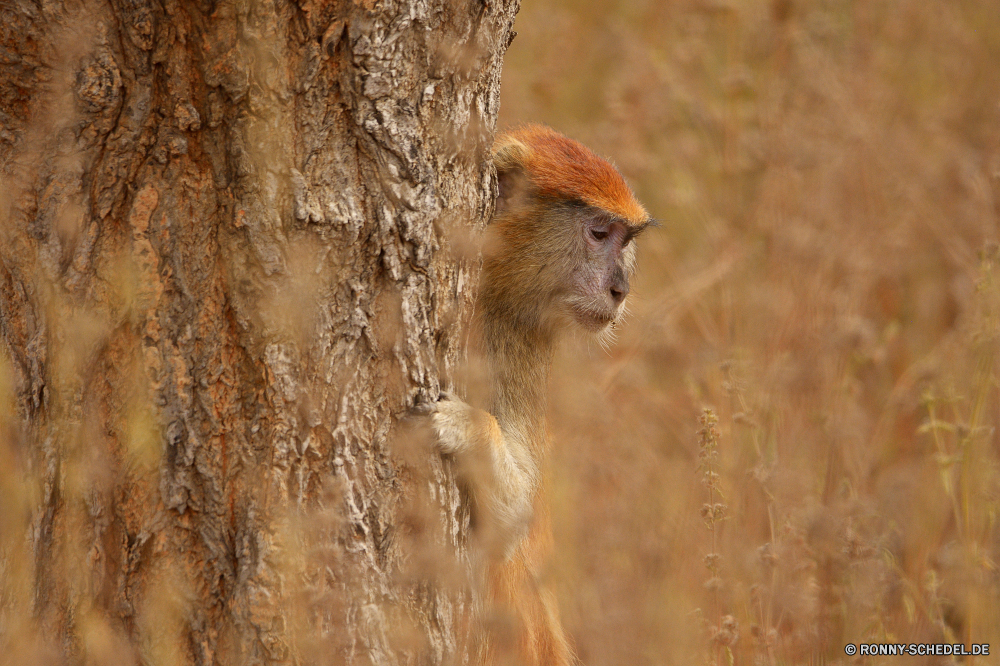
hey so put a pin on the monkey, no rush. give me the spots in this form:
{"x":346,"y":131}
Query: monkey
{"x":558,"y":256}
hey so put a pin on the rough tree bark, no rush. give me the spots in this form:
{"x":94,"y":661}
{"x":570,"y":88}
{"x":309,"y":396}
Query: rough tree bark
{"x":228,"y":264}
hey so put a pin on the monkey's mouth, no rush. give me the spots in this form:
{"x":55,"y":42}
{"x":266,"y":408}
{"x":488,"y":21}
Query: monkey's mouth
{"x":592,"y":320}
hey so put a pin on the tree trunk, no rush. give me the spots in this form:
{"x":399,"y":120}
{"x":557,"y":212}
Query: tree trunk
{"x":231,"y":259}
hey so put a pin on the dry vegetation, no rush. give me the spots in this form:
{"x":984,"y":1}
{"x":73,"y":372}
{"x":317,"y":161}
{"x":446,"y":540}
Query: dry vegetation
{"x":826,"y":278}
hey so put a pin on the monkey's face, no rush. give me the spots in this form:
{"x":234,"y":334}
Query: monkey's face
{"x":605,"y":259}
{"x":559,"y":263}
{"x":560,"y":248}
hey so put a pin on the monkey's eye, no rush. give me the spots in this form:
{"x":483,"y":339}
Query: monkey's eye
{"x":599,"y":234}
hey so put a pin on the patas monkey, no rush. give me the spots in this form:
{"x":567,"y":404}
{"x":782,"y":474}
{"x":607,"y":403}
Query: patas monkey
{"x":559,"y":252}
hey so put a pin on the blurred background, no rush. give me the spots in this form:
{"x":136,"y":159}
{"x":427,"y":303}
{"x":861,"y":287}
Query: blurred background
{"x":827,"y":179}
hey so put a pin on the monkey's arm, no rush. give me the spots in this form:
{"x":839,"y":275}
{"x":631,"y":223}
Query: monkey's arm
{"x":500,"y":473}
{"x":518,"y":538}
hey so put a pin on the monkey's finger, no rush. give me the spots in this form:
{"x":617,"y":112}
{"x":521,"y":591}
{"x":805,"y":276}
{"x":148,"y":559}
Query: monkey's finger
{"x":421,"y":409}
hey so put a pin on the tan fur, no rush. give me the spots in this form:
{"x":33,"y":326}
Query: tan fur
{"x":558,"y":254}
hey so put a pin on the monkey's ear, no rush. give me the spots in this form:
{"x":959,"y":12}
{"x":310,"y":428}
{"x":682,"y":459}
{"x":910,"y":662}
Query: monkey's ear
{"x":510,"y":157}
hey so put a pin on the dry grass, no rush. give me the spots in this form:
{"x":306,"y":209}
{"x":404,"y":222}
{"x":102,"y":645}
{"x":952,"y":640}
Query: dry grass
{"x":826,"y":276}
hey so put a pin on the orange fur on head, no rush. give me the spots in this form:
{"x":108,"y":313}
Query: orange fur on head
{"x":561,"y":168}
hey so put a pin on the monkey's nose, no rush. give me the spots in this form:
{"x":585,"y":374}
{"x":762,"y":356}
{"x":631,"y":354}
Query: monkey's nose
{"x":618,"y":286}
{"x":619,"y":292}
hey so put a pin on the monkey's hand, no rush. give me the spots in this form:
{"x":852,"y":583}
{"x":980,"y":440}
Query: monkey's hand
{"x":460,"y":427}
{"x":501,"y":476}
